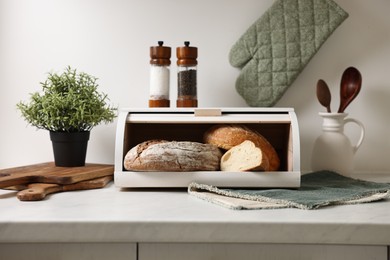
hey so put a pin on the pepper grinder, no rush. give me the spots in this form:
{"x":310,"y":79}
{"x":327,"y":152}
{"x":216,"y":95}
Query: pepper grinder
{"x":159,"y":75}
{"x":187,"y":74}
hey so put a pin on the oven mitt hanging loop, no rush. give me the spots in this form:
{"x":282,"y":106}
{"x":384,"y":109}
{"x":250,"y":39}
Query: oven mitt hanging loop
{"x":277,"y":47}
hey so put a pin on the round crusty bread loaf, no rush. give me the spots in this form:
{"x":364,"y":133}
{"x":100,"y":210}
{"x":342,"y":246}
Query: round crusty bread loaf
{"x":244,"y":157}
{"x":161,"y":155}
{"x":228,"y":136}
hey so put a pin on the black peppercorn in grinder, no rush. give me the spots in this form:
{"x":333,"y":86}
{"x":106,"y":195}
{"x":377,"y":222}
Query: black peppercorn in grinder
{"x":186,"y":77}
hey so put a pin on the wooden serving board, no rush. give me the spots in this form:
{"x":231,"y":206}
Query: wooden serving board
{"x":49,"y":173}
{"x":38,"y":191}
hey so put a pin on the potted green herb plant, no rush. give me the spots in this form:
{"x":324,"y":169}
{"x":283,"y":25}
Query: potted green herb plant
{"x":69,"y":106}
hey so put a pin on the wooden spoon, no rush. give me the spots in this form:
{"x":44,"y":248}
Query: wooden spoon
{"x":351,"y":82}
{"x":323,"y":94}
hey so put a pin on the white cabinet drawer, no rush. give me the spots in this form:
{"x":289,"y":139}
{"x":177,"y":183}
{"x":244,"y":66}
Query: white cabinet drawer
{"x":71,"y":251}
{"x":196,"y":251}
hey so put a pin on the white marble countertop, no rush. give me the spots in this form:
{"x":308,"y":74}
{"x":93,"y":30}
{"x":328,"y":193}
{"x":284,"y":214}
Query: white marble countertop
{"x":114,"y":215}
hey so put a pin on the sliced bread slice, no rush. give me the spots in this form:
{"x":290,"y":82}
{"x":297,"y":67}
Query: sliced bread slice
{"x":244,"y":157}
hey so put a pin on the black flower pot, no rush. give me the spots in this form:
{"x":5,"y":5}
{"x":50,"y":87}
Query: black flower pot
{"x":70,"y":149}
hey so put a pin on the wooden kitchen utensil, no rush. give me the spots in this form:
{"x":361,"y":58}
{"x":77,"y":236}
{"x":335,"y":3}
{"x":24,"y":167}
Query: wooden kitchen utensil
{"x":323,"y":94}
{"x":351,"y":83}
{"x":49,"y":173}
{"x":38,"y":191}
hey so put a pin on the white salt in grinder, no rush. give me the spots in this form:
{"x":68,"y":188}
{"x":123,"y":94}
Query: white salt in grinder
{"x":159,"y":75}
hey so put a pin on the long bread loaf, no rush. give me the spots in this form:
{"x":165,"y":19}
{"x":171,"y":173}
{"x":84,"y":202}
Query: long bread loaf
{"x":160,"y":155}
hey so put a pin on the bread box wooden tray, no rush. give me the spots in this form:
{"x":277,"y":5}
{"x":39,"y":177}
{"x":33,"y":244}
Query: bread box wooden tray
{"x":278,"y":125}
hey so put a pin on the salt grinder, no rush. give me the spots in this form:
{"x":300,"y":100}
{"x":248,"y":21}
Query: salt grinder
{"x":159,"y":75}
{"x":186,"y":78}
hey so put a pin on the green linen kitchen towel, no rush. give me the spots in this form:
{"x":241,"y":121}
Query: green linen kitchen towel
{"x":276,"y":48}
{"x":318,"y":189}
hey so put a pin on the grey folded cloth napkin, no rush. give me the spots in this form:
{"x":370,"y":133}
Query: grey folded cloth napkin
{"x":317,"y":189}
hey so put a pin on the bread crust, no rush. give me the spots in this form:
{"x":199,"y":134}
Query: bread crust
{"x":226,"y":136}
{"x":161,"y":155}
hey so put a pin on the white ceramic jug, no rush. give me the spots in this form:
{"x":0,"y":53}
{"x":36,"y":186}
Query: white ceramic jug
{"x":332,"y":149}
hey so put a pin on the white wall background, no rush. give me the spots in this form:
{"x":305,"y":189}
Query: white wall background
{"x":110,"y":39}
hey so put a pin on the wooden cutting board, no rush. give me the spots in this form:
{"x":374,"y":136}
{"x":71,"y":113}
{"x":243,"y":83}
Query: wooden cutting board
{"x":49,"y":173}
{"x":38,"y":191}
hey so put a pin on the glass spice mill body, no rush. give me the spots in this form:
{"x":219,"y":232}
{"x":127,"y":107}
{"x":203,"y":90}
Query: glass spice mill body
{"x":187,"y":76}
{"x":159,"y":75}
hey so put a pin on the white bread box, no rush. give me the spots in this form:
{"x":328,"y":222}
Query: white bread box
{"x":278,"y":125}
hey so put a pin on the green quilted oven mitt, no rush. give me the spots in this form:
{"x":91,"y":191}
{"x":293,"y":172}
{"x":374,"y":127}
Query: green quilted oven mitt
{"x":276,"y":48}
